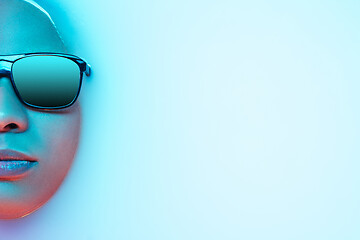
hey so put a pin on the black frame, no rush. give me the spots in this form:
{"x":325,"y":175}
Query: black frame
{"x":12,"y":58}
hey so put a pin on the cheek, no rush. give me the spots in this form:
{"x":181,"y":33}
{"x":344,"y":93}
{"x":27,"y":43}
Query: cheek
{"x":55,"y":137}
{"x":55,"y":133}
{"x":58,"y":133}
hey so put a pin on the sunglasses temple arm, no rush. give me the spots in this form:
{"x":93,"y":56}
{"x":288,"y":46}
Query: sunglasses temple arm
{"x":88,"y":70}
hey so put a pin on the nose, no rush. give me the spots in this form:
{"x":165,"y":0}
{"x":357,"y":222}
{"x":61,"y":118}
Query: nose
{"x":13,"y":115}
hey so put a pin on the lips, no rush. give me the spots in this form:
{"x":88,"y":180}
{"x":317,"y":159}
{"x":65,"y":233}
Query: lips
{"x":15,"y":165}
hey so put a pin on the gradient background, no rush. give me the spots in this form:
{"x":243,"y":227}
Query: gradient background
{"x":210,"y":120}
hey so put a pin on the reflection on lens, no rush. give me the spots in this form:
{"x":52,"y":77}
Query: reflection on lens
{"x":46,"y":81}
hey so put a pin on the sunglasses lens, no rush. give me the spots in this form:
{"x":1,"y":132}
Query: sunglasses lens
{"x":46,"y":81}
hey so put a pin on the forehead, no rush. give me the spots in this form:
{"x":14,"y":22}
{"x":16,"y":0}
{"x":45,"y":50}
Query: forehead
{"x":24,"y":28}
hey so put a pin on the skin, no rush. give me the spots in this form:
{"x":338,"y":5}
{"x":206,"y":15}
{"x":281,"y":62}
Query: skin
{"x":51,"y":136}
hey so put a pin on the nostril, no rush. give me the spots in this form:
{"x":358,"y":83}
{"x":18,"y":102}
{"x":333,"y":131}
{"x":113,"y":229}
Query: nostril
{"x":11,"y":126}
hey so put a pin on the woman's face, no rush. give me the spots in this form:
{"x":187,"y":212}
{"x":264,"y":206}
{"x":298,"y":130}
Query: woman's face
{"x":48,"y":136}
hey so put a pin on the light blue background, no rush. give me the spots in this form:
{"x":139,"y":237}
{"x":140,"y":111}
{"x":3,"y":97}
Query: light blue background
{"x":211,"y":120}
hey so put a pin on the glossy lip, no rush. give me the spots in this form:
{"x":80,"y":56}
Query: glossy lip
{"x":15,"y":165}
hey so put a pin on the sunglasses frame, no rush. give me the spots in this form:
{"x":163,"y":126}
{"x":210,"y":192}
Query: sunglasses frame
{"x":12,"y":58}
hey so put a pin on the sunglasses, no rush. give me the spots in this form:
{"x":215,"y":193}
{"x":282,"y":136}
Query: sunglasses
{"x":45,"y":80}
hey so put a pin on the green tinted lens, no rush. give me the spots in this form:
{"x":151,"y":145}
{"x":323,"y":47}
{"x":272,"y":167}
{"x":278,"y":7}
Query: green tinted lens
{"x":46,"y":81}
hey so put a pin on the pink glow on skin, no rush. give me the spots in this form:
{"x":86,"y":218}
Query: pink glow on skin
{"x":51,"y":137}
